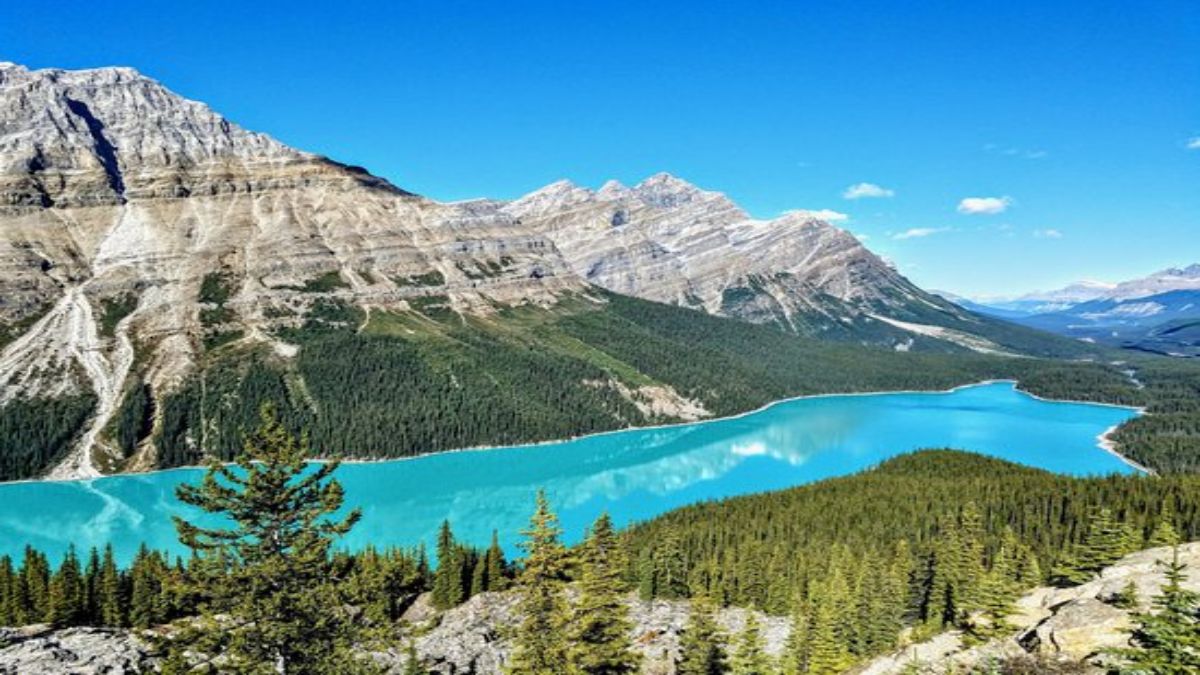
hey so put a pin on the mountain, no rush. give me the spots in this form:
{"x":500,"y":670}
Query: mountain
{"x":161,"y":267}
{"x":1157,"y":313}
{"x":1044,"y":302}
{"x":1160,"y":323}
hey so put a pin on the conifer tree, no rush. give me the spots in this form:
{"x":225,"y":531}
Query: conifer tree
{"x":423,"y":572}
{"x":750,"y":655}
{"x":479,"y":575}
{"x":795,"y":656}
{"x":497,"y":567}
{"x":827,"y":653}
{"x":670,"y":568}
{"x":1106,"y":541}
{"x":1167,"y":640}
{"x":34,"y":581}
{"x":1029,"y":570}
{"x":1164,"y":533}
{"x":1127,"y":597}
{"x":269,"y":576}
{"x":91,"y":588}
{"x":66,"y":592}
{"x":645,"y":574}
{"x":111,"y":606}
{"x":448,"y":589}
{"x":702,"y":644}
{"x":9,"y":612}
{"x":600,"y":625}
{"x":538,"y":647}
{"x":147,"y":606}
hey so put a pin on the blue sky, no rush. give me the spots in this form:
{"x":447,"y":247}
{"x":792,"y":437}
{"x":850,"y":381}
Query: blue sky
{"x":1071,"y":119}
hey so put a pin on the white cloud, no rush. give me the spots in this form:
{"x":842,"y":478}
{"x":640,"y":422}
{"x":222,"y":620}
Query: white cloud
{"x":1193,"y":143}
{"x":828,"y":215}
{"x":862,"y":237}
{"x":984,"y":205}
{"x":864,"y":190}
{"x":1026,"y":153}
{"x":1049,"y":233}
{"x":919,"y":232}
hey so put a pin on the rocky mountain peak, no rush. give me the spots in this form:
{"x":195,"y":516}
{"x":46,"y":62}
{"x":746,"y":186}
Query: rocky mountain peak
{"x":666,"y":191}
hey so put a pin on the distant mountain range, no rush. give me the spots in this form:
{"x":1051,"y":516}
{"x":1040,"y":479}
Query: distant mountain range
{"x":159,"y":263}
{"x":1158,"y":313}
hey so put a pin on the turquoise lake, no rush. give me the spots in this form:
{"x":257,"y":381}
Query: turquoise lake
{"x":632,"y":474}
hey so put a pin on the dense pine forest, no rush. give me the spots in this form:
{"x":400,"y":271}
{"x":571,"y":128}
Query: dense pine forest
{"x":395,"y":384}
{"x":399,"y":384}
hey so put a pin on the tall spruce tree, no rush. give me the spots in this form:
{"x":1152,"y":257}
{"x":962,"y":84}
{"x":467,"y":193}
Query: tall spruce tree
{"x":702,"y":644}
{"x":497,"y":567}
{"x":111,"y":605}
{"x":669,"y":565}
{"x":448,"y":587}
{"x":1167,"y":640}
{"x":1164,"y":533}
{"x":267,"y":584}
{"x":91,"y":588}
{"x":66,"y":596}
{"x":600,"y":625}
{"x":750,"y":654}
{"x":826,"y":652}
{"x":1106,"y":541}
{"x":9,"y":612}
{"x":34,"y":582}
{"x":538,"y":646}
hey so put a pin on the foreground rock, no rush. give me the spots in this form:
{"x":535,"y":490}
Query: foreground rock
{"x":82,"y":651}
{"x":473,"y":638}
{"x":1055,"y":627}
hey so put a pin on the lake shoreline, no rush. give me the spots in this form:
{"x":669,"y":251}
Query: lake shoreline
{"x":1104,"y":440}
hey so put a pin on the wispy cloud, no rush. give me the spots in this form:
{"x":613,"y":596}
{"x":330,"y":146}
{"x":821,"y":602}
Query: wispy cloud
{"x":1193,"y":143}
{"x":867,"y":190}
{"x":919,"y":232}
{"x":1009,"y":151}
{"x":1049,"y":233}
{"x":862,"y":237}
{"x":828,"y":215}
{"x":984,"y":205}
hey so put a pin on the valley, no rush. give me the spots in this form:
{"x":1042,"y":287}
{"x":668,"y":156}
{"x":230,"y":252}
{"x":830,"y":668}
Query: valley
{"x":731,"y":416}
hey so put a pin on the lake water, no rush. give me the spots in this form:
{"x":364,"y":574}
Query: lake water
{"x":632,"y":474}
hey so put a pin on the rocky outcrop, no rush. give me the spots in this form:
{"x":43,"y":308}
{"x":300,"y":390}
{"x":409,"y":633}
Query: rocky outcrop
{"x":471,"y":639}
{"x":74,"y":651}
{"x":475,"y":638}
{"x":1073,"y":626}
